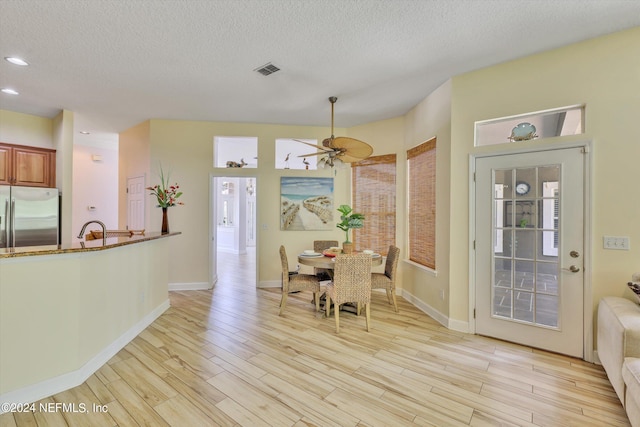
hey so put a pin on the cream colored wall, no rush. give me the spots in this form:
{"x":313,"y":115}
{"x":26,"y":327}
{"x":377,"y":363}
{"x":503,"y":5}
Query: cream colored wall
{"x":185,"y":149}
{"x":57,"y":312}
{"x":432,"y":118}
{"x":63,"y":144}
{"x":603,"y":74}
{"x":25,"y":129}
{"x":134,"y":152}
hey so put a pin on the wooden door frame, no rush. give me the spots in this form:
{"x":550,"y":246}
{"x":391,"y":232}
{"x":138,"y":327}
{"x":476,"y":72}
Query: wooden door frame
{"x":587,"y":147}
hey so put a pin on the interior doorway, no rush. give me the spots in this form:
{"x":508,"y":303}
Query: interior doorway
{"x":233,"y":225}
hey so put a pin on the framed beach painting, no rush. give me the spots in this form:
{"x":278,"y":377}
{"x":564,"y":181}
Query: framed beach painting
{"x":306,"y":203}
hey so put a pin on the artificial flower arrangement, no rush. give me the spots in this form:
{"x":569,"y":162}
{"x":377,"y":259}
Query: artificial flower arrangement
{"x":166,"y":194}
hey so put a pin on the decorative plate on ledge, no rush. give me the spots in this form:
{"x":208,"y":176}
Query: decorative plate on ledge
{"x":523,"y":132}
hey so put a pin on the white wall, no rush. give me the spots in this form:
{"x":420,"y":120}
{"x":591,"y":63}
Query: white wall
{"x":95,"y":183}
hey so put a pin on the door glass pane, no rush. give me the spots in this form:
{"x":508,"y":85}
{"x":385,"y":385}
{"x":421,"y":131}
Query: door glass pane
{"x":526,"y":240}
{"x":503,"y":246}
{"x":525,"y":214}
{"x":523,"y":277}
{"x":523,"y":306}
{"x":547,"y":278}
{"x":525,"y":183}
{"x":525,"y":244}
{"x":502,"y":287}
{"x":503,"y":180}
{"x":546,"y":309}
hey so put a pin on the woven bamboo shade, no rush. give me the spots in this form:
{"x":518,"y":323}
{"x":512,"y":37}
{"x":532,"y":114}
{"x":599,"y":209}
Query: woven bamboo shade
{"x":374,"y":196}
{"x":422,"y":203}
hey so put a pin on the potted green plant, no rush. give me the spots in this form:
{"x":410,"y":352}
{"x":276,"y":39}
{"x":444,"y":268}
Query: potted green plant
{"x":349,"y":220}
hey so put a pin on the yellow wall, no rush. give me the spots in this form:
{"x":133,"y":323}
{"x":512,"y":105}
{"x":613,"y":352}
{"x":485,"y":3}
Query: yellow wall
{"x":603,"y":74}
{"x":25,"y":129}
{"x":185,"y":149}
{"x":134,"y":152}
{"x":62,"y":136}
{"x":432,"y":118}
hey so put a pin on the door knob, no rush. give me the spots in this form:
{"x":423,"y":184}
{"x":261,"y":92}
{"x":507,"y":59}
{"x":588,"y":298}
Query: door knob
{"x":572,"y":269}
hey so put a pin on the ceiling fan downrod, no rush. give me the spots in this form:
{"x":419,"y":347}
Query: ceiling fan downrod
{"x":332,"y":100}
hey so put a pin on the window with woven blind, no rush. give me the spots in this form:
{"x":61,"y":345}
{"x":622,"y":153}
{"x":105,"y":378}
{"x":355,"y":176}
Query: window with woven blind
{"x":421,"y":164}
{"x":374,"y":196}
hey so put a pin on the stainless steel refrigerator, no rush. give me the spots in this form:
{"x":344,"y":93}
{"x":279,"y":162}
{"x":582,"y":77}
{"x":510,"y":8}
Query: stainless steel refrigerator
{"x":28,"y":216}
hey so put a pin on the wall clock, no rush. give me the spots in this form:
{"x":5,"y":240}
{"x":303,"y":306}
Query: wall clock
{"x":522,"y":188}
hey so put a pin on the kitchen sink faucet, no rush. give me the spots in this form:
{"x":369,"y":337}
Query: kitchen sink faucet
{"x":104,"y":231}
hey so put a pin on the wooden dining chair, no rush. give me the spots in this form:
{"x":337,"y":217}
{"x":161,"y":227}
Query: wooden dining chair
{"x":351,"y":283}
{"x":319,"y":246}
{"x":387,"y":280}
{"x":297,"y":282}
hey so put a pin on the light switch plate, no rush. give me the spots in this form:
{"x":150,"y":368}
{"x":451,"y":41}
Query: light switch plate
{"x":616,"y":242}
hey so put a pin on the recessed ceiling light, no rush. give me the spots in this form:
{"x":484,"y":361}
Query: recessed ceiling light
{"x":16,"y":61}
{"x":84,"y":132}
{"x":9,"y":91}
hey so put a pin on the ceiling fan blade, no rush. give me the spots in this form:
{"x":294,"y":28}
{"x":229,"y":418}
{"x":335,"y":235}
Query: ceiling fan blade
{"x":351,"y":150}
{"x":317,"y":147}
{"x":321,"y":153}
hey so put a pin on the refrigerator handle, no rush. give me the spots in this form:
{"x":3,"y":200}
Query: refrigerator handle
{"x":6,"y":222}
{"x":13,"y":222}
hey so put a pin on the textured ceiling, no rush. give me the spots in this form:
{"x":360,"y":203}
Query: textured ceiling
{"x":118,"y":63}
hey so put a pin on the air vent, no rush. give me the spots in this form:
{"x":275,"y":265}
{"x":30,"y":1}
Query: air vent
{"x":267,"y":69}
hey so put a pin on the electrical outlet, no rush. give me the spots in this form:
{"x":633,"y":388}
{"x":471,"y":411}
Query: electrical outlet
{"x":441,"y":294}
{"x":616,"y":242}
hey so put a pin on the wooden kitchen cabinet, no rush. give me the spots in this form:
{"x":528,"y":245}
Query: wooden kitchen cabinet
{"x":27,"y":166}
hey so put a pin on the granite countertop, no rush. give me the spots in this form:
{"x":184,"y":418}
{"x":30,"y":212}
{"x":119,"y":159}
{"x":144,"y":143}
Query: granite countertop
{"x":81,"y":246}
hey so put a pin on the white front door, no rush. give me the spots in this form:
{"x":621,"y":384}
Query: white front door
{"x":529,"y":249}
{"x":135,"y":203}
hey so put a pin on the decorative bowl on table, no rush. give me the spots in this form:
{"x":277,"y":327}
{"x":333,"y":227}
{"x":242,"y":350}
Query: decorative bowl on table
{"x":332,"y":252}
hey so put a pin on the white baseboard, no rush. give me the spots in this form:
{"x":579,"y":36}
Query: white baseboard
{"x":456,"y":325}
{"x":270,"y":284}
{"x":191,"y":286}
{"x":72,"y":379}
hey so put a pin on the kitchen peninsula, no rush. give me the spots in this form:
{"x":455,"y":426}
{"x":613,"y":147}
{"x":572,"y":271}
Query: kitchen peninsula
{"x":66,"y":310}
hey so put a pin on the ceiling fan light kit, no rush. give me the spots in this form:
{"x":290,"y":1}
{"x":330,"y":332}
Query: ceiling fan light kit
{"x":337,"y":150}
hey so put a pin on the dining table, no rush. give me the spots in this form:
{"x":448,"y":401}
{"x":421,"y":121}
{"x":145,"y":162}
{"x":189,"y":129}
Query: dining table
{"x":326,"y":260}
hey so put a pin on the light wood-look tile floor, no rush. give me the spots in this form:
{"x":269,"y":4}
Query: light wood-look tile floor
{"x":225,"y":357}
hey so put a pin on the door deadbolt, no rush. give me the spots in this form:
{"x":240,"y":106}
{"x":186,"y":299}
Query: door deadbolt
{"x":574,"y":254}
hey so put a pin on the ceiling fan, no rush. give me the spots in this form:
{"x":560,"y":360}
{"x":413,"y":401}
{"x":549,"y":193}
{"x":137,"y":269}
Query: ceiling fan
{"x":341,"y":148}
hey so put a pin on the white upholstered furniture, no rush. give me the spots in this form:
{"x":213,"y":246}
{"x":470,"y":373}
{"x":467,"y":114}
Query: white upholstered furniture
{"x":619,"y":350}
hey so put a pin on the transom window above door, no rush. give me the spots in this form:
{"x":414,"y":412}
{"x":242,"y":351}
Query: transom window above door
{"x":530,"y":126}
